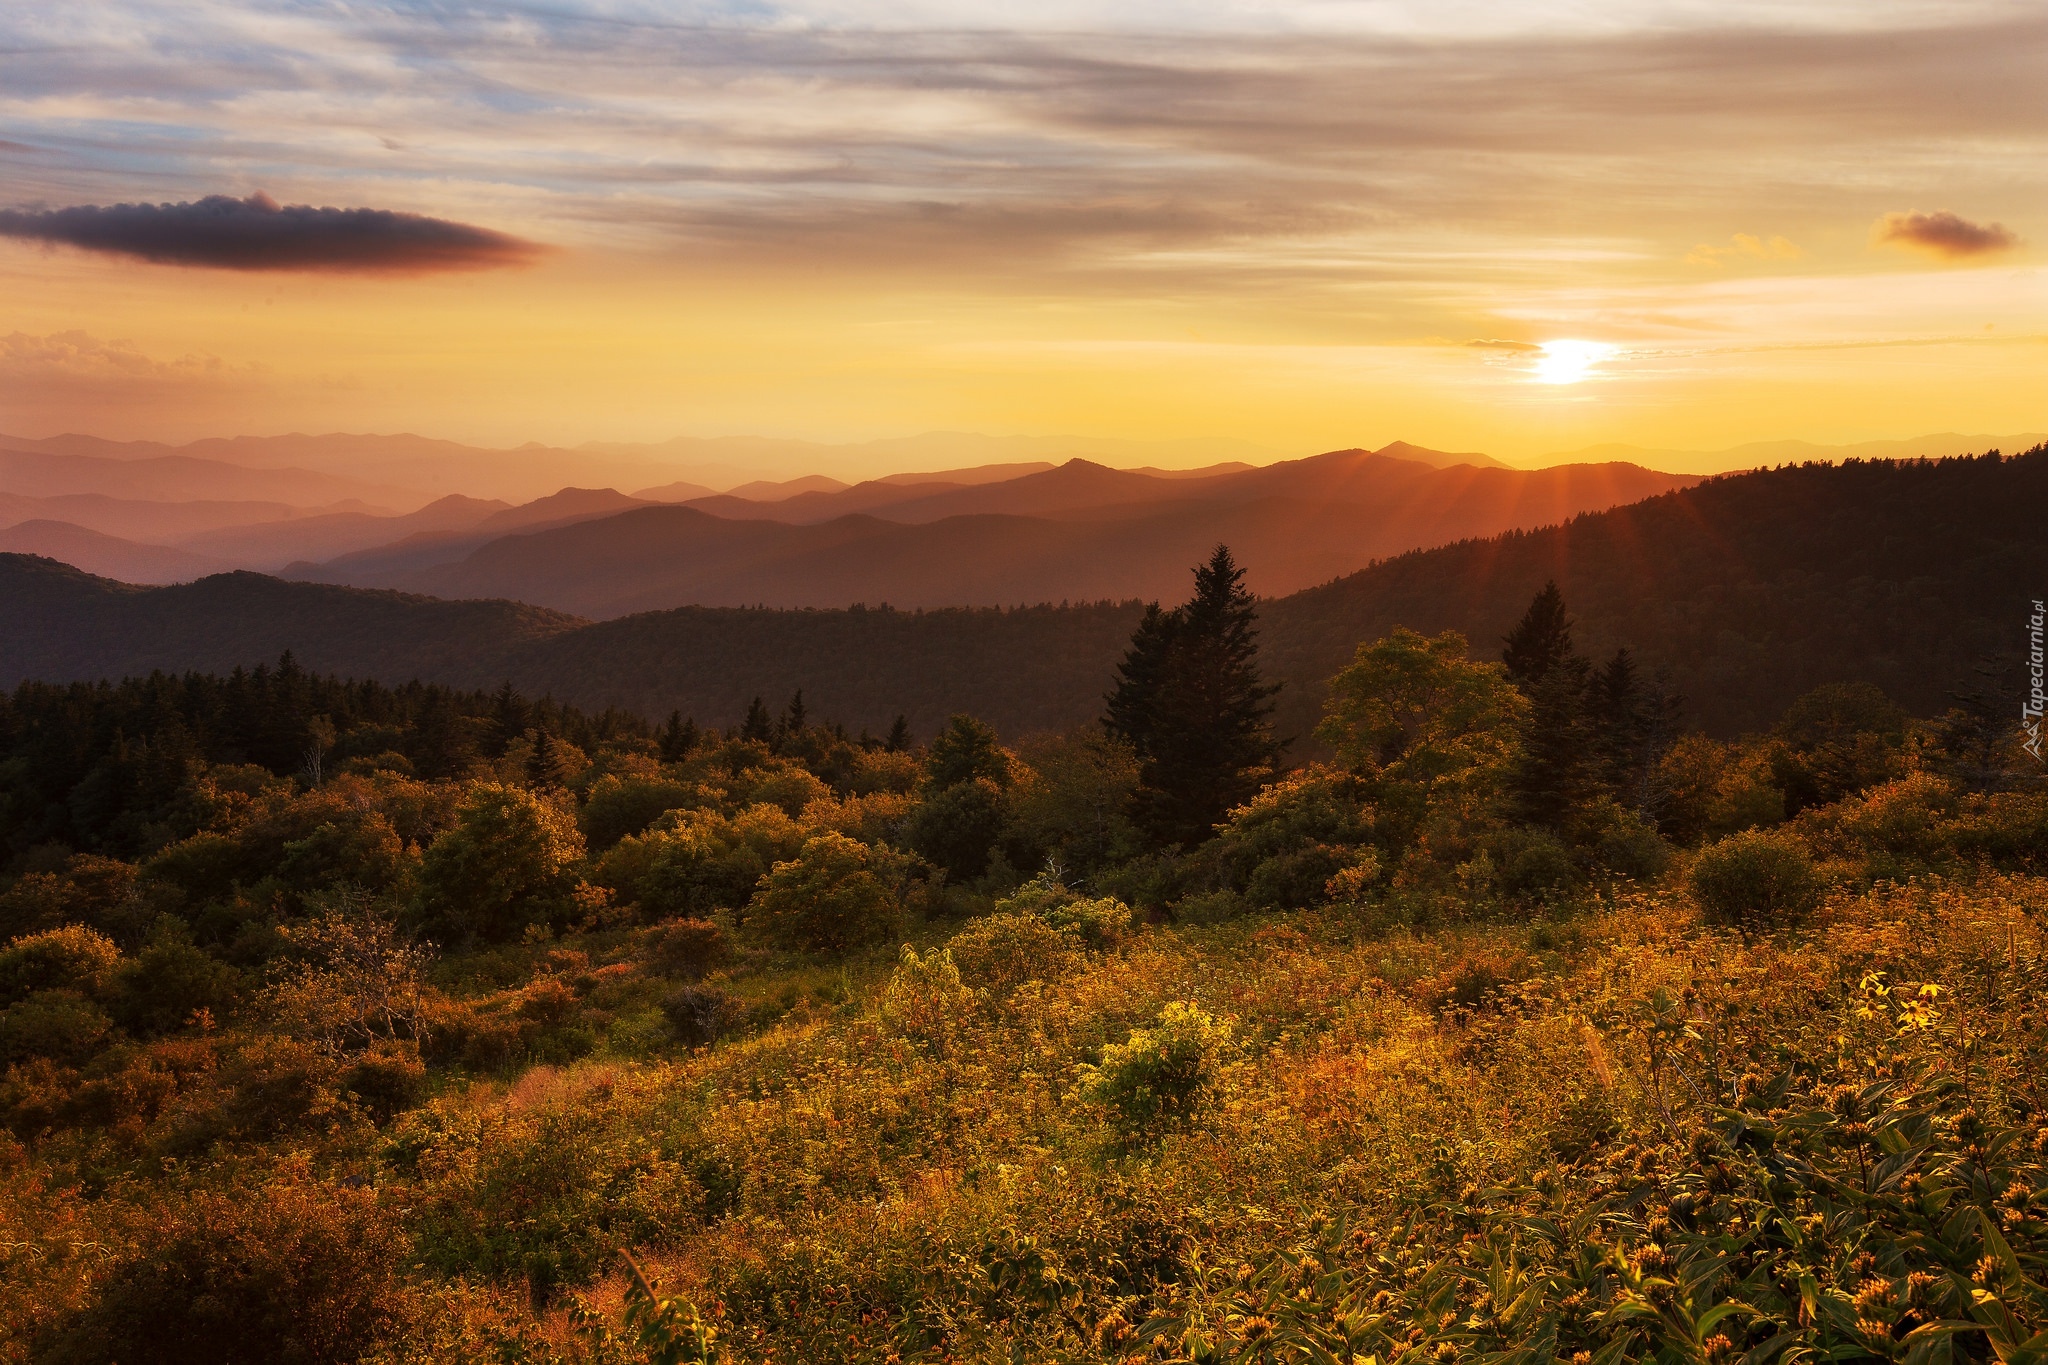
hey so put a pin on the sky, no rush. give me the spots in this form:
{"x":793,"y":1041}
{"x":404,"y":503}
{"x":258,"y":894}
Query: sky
{"x":1308,"y":224}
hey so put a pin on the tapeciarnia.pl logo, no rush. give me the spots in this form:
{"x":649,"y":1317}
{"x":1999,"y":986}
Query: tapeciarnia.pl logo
{"x":2030,"y":710}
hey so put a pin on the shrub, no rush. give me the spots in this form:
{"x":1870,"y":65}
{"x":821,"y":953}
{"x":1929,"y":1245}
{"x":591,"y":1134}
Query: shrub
{"x":61,"y":1025}
{"x":1283,"y":846}
{"x":695,"y":862}
{"x":1757,"y":880}
{"x":71,"y":958}
{"x":925,"y":998}
{"x":956,"y":828}
{"x":1160,"y":1075}
{"x":282,"y":1275}
{"x":1209,"y":907}
{"x":161,"y":988}
{"x":687,"y":947}
{"x":1000,"y":952}
{"x":1535,"y":867}
{"x":835,"y":896}
{"x":621,"y":805}
{"x":94,"y":891}
{"x":387,"y":1079}
{"x":700,"y":1014}
{"x":1100,"y":923}
{"x":508,"y":862}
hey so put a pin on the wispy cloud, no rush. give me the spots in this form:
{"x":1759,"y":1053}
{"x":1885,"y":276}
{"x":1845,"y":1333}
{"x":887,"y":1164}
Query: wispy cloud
{"x":1943,"y":234}
{"x":258,"y":233}
{"x":1745,"y":244}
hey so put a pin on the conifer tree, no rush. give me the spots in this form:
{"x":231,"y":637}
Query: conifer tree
{"x":1556,"y":773}
{"x":678,"y":738}
{"x":757,"y":728}
{"x":511,"y":718}
{"x":1540,"y":641}
{"x":899,"y":736}
{"x":794,"y":718}
{"x":1189,"y":701}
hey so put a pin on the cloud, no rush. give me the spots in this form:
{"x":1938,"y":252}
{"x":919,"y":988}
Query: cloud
{"x":79,"y":358}
{"x":258,"y":233}
{"x":1943,"y":234}
{"x":1745,"y":244}
{"x":1495,"y":344}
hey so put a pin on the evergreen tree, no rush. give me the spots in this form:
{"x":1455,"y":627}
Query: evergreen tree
{"x":1557,"y":771}
{"x":543,"y":763}
{"x":511,"y":718}
{"x":678,"y":738}
{"x":899,"y":736}
{"x":1189,"y":701}
{"x":757,"y":728}
{"x":794,"y":718}
{"x":1540,"y":641}
{"x":1634,"y":722}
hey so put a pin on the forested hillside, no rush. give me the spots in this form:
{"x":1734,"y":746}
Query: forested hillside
{"x":365,"y":1025}
{"x":1746,"y":591}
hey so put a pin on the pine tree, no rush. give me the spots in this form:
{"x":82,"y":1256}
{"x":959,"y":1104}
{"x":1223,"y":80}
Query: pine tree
{"x":1189,"y":700}
{"x":678,"y":738}
{"x":1557,"y":771}
{"x":543,"y":764}
{"x":899,"y":736}
{"x":511,"y":718}
{"x":1540,"y":641}
{"x":794,"y":718}
{"x":757,"y":728}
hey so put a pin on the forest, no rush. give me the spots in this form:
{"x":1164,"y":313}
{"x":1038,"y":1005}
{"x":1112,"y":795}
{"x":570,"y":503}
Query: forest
{"x":1509,"y":1018}
{"x":1747,"y":590}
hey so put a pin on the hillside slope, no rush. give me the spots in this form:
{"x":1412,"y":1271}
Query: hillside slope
{"x":1748,"y":590}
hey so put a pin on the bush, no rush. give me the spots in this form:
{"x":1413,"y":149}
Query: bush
{"x":957,"y":828}
{"x":1161,"y":1075}
{"x":71,"y":958}
{"x":1535,"y":867}
{"x":1209,"y":907}
{"x":700,"y":1014}
{"x":1757,"y":880}
{"x":283,"y":1275}
{"x":1100,"y":924}
{"x":622,"y":805}
{"x":161,"y":988}
{"x":61,"y":1025}
{"x":508,"y":862}
{"x":835,"y":896}
{"x":694,"y":862}
{"x":687,"y":948}
{"x":1000,"y":952}
{"x":99,"y":892}
{"x":925,"y":998}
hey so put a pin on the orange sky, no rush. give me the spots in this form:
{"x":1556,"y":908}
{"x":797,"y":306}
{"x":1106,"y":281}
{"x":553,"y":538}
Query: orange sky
{"x":1308,"y":225}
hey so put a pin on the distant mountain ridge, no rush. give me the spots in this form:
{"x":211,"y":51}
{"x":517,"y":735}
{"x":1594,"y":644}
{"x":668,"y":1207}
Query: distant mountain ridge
{"x":1078,"y":532}
{"x":1748,"y":590}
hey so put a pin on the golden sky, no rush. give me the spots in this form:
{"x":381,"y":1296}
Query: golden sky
{"x":1506,"y":227}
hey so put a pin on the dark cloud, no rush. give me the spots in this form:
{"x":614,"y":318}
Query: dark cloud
{"x":258,"y":233}
{"x":1944,"y":234}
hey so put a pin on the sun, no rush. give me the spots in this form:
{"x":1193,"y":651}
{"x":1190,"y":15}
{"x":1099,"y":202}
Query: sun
{"x":1568,"y":362}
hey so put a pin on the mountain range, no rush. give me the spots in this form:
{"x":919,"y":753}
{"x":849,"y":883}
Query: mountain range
{"x":1745,"y":591}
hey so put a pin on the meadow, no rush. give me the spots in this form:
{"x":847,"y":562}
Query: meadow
{"x":796,"y":1046}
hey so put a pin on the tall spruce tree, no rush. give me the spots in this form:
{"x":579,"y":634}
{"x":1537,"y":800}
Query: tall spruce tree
{"x":678,"y":738}
{"x":1557,"y":771}
{"x":757,"y":728}
{"x":1189,"y":701}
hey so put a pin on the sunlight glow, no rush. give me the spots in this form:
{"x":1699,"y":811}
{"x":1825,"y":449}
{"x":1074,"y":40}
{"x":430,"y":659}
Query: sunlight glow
{"x":1568,"y":362}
